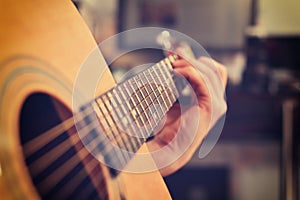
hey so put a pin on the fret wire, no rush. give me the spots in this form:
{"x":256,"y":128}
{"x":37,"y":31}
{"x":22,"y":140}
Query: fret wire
{"x":150,"y":121}
{"x":163,"y":99}
{"x":115,"y":114}
{"x":118,"y":136}
{"x":122,"y":112}
{"x":171,"y":84}
{"x":119,"y":139}
{"x":116,"y":110}
{"x":148,"y":94}
{"x":166,"y":80}
{"x":137,"y":81}
{"x":125,"y":118}
{"x":89,"y":119}
{"x":140,"y":113}
{"x":133,"y":94}
{"x":168,"y":62}
{"x":124,"y":96}
{"x":166,"y":106}
{"x":147,"y":116}
{"x":108,"y":116}
{"x":136,"y":131}
{"x":107,"y":148}
{"x":164,"y":94}
{"x":171,"y":92}
{"x":126,"y":89}
{"x":120,"y":116}
{"x":135,"y":143}
{"x":159,"y":80}
{"x":151,"y":98}
{"x":153,"y":80}
{"x":140,"y":102}
{"x":101,"y":118}
{"x":121,"y":104}
{"x":128,"y":105}
{"x":135,"y":100}
{"x":171,"y":95}
{"x":157,"y":92}
{"x":112,"y":99}
{"x":145,"y":96}
{"x":152,"y":93}
{"x":107,"y":151}
{"x":114,"y":135}
{"x":141,"y":85}
{"x":144,"y":107}
{"x":111,"y":152}
{"x":160,"y":98}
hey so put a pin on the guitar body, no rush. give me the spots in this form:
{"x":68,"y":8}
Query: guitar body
{"x":43,"y":44}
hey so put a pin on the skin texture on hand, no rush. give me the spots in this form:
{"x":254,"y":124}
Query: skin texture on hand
{"x":208,"y":80}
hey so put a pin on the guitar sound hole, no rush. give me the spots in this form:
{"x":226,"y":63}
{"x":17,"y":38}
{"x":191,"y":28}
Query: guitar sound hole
{"x":57,"y":161}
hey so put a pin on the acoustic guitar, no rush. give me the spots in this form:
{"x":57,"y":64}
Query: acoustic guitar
{"x":42,"y":153}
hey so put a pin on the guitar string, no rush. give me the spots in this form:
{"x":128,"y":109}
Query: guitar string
{"x":59,"y":149}
{"x":47,"y":135}
{"x":65,"y":125}
{"x":166,"y":64}
{"x":52,"y":155}
{"x":72,"y":184}
{"x":134,"y":145}
{"x":110,"y":121}
{"x":39,"y":141}
{"x":34,"y":145}
{"x":55,"y":178}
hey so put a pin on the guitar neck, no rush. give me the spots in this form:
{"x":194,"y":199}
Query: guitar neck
{"x":130,"y":112}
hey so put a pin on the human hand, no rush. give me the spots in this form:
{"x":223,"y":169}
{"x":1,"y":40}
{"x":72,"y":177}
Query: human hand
{"x":185,"y":128}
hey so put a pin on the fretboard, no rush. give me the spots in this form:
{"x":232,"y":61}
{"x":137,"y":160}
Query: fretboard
{"x":130,"y":112}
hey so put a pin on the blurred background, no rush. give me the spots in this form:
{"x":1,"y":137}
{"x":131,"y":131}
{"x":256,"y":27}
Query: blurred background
{"x":257,"y":155}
